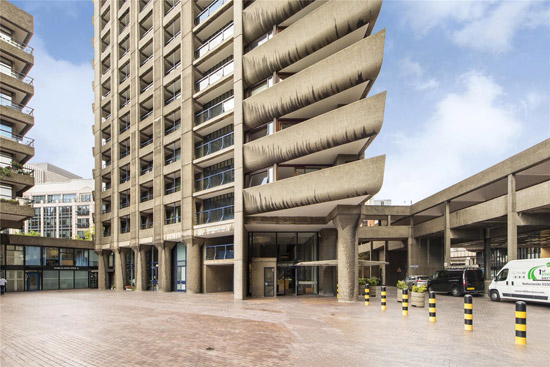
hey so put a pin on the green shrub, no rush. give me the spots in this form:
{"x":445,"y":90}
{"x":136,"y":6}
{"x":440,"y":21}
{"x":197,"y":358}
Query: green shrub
{"x":373,"y":281}
{"x":362,"y":281}
{"x":418,"y":289}
{"x":401,"y":284}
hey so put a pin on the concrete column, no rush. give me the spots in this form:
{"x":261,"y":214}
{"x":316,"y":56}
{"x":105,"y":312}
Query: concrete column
{"x":384,"y":258}
{"x":165,"y":265}
{"x":141,"y":267}
{"x":102,"y":277}
{"x":412,"y":249}
{"x":194,"y":266}
{"x":346,"y":224}
{"x":447,"y":237}
{"x":512,"y":226}
{"x":120,"y":269}
{"x":487,"y":256}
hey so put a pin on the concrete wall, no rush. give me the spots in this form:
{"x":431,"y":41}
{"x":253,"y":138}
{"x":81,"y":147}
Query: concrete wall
{"x":257,"y":275}
{"x":218,"y":278}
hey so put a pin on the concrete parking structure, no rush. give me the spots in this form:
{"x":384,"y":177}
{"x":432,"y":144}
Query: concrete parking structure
{"x":104,"y":328}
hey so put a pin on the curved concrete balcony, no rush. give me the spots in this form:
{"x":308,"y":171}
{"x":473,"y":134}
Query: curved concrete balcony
{"x":359,"y":178}
{"x":355,"y":65}
{"x":326,"y":24}
{"x":262,"y":15}
{"x":356,"y":121}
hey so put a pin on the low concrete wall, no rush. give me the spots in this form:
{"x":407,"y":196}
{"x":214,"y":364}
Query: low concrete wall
{"x":218,"y":278}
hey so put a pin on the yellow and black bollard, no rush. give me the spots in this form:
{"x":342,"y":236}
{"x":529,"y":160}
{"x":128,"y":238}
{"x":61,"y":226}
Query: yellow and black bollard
{"x":367,"y":295}
{"x":431,"y":306}
{"x":337,"y":292}
{"x":405,"y":302}
{"x":383,"y":299}
{"x":468,"y":313}
{"x":521,"y":323}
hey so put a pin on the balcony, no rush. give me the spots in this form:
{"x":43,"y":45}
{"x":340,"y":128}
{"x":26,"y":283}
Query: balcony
{"x":19,"y":107}
{"x":19,"y":45}
{"x":214,"y":111}
{"x":219,"y":252}
{"x":176,"y":3}
{"x":209,"y":10}
{"x":124,"y":204}
{"x":172,"y":38}
{"x":214,"y":145}
{"x":214,"y":76}
{"x":172,"y":159}
{"x":214,"y":41}
{"x":217,"y":179}
{"x":172,"y":99}
{"x":172,"y":220}
{"x":146,"y":114}
{"x":172,"y":129}
{"x":15,"y":210}
{"x":22,"y":77}
{"x":173,"y":189}
{"x":18,"y":177}
{"x":147,"y":169}
{"x":146,"y":142}
{"x":17,"y":138}
{"x":146,"y":197}
{"x":216,"y":215}
{"x":146,"y":225}
{"x":124,"y":179}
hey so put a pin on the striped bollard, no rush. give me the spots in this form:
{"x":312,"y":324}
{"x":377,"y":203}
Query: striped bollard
{"x":383,"y":299}
{"x":521,"y":323}
{"x":405,"y":302}
{"x":431,"y":306}
{"x":367,"y":295}
{"x":337,"y":292}
{"x":468,"y":313}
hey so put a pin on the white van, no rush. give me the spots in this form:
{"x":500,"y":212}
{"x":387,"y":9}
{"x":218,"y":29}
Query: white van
{"x":522,"y":280}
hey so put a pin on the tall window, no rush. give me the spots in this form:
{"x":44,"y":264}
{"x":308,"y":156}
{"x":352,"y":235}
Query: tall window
{"x":35,"y":222}
{"x":50,"y":221}
{"x":65,"y":222}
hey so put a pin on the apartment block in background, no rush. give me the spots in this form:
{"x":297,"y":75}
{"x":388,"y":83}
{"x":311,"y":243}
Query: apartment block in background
{"x":16,"y":118}
{"x":230,"y":139}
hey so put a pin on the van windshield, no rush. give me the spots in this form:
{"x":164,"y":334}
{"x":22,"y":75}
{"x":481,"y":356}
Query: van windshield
{"x":474,"y":275}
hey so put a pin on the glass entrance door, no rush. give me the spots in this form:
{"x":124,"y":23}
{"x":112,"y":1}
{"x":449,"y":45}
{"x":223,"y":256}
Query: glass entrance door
{"x":286,"y":280}
{"x":93,"y":279}
{"x":33,"y":281}
{"x":181,"y":267}
{"x":269,"y":282}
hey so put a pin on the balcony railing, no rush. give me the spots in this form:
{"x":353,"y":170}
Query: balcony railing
{"x":125,"y":229}
{"x":171,"y":190}
{"x":8,"y":169}
{"x":124,"y":103}
{"x":147,"y":59}
{"x":172,"y":159}
{"x":214,"y":41}
{"x":19,"y":45}
{"x":19,"y":107}
{"x":173,"y":68}
{"x":146,"y":142}
{"x":107,"y":234}
{"x":214,"y":111}
{"x":124,"y":204}
{"x":217,"y":179}
{"x":219,"y":252}
{"x":146,"y":87}
{"x":172,"y":7}
{"x":105,"y":141}
{"x":146,"y":32}
{"x":146,"y":114}
{"x":216,"y":215}
{"x":172,"y":38}
{"x":146,"y":225}
{"x":172,"y":129}
{"x":17,"y":201}
{"x":172,"y":99}
{"x":124,"y":78}
{"x":214,"y":76}
{"x":25,"y":79}
{"x":147,"y":169}
{"x":172,"y":220}
{"x":124,"y":179}
{"x":124,"y":154}
{"x":214,"y":145}
{"x":146,"y":197}
{"x":125,"y":128}
{"x":210,"y":9}
{"x":106,"y":187}
{"x":105,"y":164}
{"x":18,"y":138}
{"x":105,"y":210}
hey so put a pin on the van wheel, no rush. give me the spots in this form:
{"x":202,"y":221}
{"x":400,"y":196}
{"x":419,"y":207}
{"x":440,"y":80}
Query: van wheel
{"x":455,"y":292}
{"x":495,"y":297}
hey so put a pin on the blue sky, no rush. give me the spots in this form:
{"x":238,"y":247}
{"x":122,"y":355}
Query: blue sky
{"x":468,"y":85}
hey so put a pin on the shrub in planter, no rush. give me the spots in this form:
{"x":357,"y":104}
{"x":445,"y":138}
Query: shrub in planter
{"x":373,"y":282}
{"x":418,"y":296}
{"x":362,"y":284}
{"x":400,"y":286}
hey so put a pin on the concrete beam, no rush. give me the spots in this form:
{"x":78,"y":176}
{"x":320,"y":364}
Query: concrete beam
{"x":528,"y":219}
{"x":533,"y":197}
{"x":490,"y":209}
{"x":433,"y":226}
{"x":383,"y":233}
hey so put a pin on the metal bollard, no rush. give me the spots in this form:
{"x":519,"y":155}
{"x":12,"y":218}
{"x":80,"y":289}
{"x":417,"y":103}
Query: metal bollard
{"x":367,"y":295}
{"x":468,"y":313}
{"x":337,"y":292}
{"x":383,"y":299}
{"x":405,"y":302}
{"x":431,"y":306}
{"x":521,"y":323}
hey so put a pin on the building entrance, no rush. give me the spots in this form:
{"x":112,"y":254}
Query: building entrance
{"x":269,"y":282}
{"x":33,"y":281}
{"x":180,"y":267}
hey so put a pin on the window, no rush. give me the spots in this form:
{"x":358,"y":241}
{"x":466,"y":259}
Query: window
{"x":50,"y":279}
{"x":14,"y":255}
{"x":83,"y":210}
{"x":69,"y":198}
{"x":66,"y":279}
{"x":81,"y":279}
{"x":34,"y":222}
{"x":85,"y":198}
{"x":32,"y":256}
{"x":93,"y":258}
{"x":67,"y":257}
{"x":503,"y":275}
{"x":82,"y":222}
{"x":51,"y":256}
{"x":81,"y":257}
{"x":65,"y":222}
{"x":50,"y":221}
{"x":38,"y":199}
{"x":54,"y":198}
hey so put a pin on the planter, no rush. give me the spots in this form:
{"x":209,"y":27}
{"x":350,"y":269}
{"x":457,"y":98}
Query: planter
{"x":418,"y":299}
{"x":399,"y":295}
{"x":372,"y":291}
{"x":361,"y":290}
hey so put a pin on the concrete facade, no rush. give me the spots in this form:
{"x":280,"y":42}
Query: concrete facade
{"x":16,"y":118}
{"x":217,"y":121}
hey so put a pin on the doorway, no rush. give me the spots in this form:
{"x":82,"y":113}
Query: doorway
{"x":93,"y":279}
{"x":286,"y":281}
{"x":33,"y":282}
{"x":269,"y":282}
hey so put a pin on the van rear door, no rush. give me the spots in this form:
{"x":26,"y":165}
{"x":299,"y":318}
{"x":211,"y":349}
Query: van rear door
{"x":473,"y":280}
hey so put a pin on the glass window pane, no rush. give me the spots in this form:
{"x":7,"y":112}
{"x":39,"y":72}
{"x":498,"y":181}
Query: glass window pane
{"x":81,"y":257}
{"x":32,"y":255}
{"x":51,"y":256}
{"x":15,"y":280}
{"x":50,"y":279}
{"x":66,"y":280}
{"x":14,"y":255}
{"x":81,"y":279}
{"x":67,"y":257}
{"x":93,"y":258}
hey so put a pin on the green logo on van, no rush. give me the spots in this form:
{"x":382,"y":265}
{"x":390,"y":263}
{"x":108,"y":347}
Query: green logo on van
{"x":543,"y":274}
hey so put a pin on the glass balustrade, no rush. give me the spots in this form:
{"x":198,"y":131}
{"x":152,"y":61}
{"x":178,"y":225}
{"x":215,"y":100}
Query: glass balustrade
{"x":220,"y":252}
{"x":217,"y":179}
{"x":214,"y":41}
{"x":215,"y":76}
{"x":214,"y":145}
{"x":214,"y":111}
{"x":216,"y":215}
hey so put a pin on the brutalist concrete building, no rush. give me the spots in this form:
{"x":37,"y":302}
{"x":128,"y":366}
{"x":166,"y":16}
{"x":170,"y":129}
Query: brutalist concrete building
{"x":230,"y":139}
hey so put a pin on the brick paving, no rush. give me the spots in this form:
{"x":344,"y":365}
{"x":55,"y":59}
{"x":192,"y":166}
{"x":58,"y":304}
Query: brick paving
{"x":108,"y":328}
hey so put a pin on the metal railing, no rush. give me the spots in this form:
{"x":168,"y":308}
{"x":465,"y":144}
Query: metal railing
{"x":105,"y":141}
{"x":17,"y":138}
{"x":172,"y":7}
{"x":146,"y":32}
{"x":146,"y":142}
{"x":124,"y":79}
{"x":214,"y":41}
{"x":216,"y":215}
{"x":220,"y":252}
{"x":146,"y":225}
{"x":214,"y":145}
{"x":172,"y":38}
{"x":124,"y":154}
{"x":124,"y":103}
{"x":106,"y":187}
{"x":125,"y":128}
{"x":172,"y":159}
{"x":16,"y":169}
{"x":145,"y":198}
{"x":27,"y":49}
{"x":19,"y":107}
{"x":147,"y":169}
{"x":146,"y":87}
{"x":214,"y":76}
{"x":124,"y":179}
{"x":172,"y":190}
{"x":147,"y":59}
{"x":19,"y":76}
{"x":217,"y":179}
{"x":172,"y":99}
{"x":215,"y":110}
{"x":146,"y":114}
{"x":209,"y":10}
{"x":173,"y":68}
{"x":125,"y":229}
{"x":106,"y":71}
{"x":172,"y":220}
{"x":124,"y":204}
{"x":106,"y":210}
{"x":172,"y":129}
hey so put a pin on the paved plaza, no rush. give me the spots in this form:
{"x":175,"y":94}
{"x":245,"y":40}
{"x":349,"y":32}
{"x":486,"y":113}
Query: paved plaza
{"x":108,"y":328}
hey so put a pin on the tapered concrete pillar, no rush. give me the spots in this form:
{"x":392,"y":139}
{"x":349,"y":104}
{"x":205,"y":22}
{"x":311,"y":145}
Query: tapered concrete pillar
{"x":120,"y":269}
{"x":194,"y":266}
{"x":447,"y":237}
{"x":487,"y":256}
{"x":346,"y":225}
{"x":141,"y":267}
{"x":384,"y":258}
{"x":102,"y":277}
{"x":412,"y":249}
{"x":512,"y":225}
{"x":165,"y":265}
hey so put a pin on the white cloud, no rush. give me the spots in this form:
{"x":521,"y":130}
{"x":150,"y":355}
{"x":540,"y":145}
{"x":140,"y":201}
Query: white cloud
{"x":429,"y":84}
{"x":480,"y":25}
{"x":409,"y":68}
{"x":467,"y":132}
{"x":63,"y":112}
{"x":413,"y":72}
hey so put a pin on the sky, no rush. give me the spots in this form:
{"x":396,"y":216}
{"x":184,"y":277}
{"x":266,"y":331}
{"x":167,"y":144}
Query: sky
{"x":468,"y":86}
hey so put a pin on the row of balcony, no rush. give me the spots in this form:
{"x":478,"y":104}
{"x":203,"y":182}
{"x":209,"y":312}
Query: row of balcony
{"x":19,"y":107}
